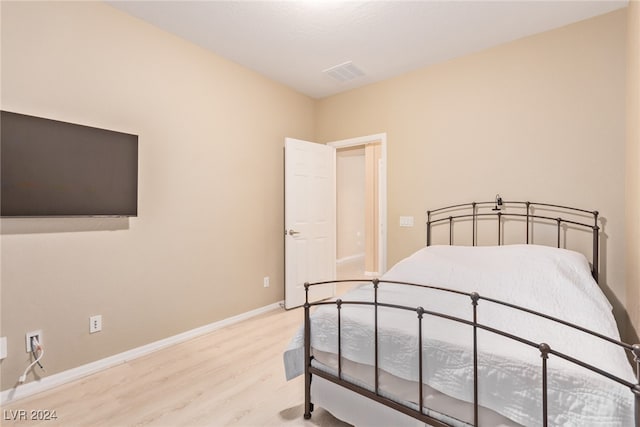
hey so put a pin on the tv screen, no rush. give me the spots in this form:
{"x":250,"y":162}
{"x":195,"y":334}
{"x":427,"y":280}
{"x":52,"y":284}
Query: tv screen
{"x":53,"y":168}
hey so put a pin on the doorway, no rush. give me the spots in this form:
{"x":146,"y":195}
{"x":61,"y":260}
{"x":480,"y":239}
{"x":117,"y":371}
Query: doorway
{"x":361,"y":206}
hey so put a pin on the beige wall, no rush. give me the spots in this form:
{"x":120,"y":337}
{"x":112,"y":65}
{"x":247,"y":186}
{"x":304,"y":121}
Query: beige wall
{"x":541,"y":118}
{"x":210,"y":185}
{"x":633,"y":164}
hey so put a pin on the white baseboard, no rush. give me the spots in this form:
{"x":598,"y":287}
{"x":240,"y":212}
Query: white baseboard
{"x":49,"y":382}
{"x":349,"y":258}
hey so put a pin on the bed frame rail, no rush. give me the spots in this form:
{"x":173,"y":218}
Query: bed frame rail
{"x":524,"y":211}
{"x":545,"y":351}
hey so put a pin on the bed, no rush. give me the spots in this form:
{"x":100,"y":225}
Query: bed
{"x":509,"y":334}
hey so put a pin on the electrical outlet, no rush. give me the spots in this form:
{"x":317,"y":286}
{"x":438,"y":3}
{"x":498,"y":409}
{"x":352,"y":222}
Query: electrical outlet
{"x":265,"y":282}
{"x":29,"y":336}
{"x":95,"y":323}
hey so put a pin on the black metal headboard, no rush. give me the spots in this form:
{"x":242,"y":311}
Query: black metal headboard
{"x":525,"y":211}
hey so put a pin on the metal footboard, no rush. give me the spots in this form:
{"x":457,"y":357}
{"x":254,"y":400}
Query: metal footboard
{"x":475,"y":299}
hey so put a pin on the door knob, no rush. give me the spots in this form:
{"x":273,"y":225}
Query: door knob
{"x":291,"y":232}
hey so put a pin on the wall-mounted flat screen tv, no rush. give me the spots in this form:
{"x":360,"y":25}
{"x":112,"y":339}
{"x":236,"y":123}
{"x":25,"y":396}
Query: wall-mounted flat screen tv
{"x":53,"y":168}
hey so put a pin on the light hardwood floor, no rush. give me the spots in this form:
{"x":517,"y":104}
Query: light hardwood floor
{"x":230,"y":377}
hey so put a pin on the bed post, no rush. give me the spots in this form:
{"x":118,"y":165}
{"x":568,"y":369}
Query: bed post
{"x":375,"y":282}
{"x":499,"y":229}
{"x":544,"y":354}
{"x":339,"y":305}
{"x":473,"y":223}
{"x":475,"y":297}
{"x":596,"y":236}
{"x":420,"y":312}
{"x":308,"y":406}
{"x":428,"y":228}
{"x":528,"y":206}
{"x":636,"y":390}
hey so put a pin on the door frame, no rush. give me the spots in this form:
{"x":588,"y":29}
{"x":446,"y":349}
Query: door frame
{"x":382,"y":188}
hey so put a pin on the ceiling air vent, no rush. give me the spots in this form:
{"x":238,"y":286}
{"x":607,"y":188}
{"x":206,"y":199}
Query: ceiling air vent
{"x":344,"y":72}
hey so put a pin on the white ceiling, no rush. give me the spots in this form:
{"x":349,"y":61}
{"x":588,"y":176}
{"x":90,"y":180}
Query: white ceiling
{"x":292,"y":42}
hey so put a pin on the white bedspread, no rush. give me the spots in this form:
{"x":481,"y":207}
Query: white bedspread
{"x":553,"y":281}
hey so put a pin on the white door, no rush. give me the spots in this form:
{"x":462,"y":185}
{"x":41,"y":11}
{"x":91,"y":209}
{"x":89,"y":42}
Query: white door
{"x":310,"y":220}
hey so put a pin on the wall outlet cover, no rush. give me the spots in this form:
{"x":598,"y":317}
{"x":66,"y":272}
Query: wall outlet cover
{"x":95,"y":323}
{"x":29,"y":335}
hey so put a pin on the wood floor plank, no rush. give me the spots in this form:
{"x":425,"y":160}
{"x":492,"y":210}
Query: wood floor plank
{"x":231,"y":377}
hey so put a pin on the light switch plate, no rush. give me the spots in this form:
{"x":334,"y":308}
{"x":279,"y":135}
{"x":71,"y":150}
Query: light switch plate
{"x":406,"y":221}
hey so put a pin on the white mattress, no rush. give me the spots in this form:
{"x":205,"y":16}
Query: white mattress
{"x":458,"y":413}
{"x":356,"y":409}
{"x":554,"y":281}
